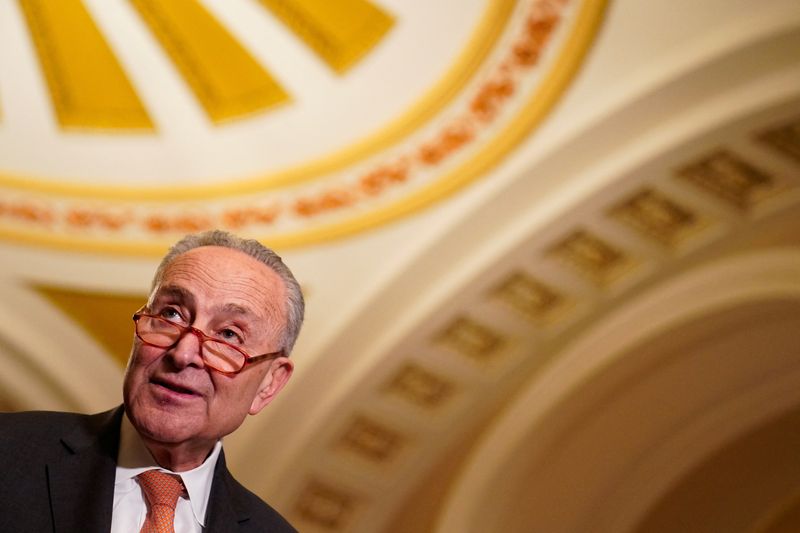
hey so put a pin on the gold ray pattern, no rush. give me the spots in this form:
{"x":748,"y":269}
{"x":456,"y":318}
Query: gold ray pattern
{"x":87,"y":85}
{"x":105,"y":317}
{"x":224,"y":77}
{"x":341,"y":33}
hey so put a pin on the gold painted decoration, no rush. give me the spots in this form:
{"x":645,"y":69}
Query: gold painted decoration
{"x":88,"y":87}
{"x":323,"y":504}
{"x":471,"y":339}
{"x":511,"y":68}
{"x":340,"y":32}
{"x":223,"y":75}
{"x":419,"y":386}
{"x":784,"y":139}
{"x":371,"y":440}
{"x":531,"y":298}
{"x":592,"y":256}
{"x":105,"y":317}
{"x":657,"y":216}
{"x":731,"y":178}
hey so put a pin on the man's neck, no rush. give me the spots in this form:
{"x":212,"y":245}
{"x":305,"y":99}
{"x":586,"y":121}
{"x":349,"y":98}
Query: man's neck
{"x":139,"y":450}
{"x":178,"y":457}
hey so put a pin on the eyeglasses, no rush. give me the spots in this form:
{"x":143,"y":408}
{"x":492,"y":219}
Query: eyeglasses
{"x":217,"y":355}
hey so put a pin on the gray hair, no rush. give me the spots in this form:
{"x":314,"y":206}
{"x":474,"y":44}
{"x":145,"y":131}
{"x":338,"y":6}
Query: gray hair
{"x":295,"y":305}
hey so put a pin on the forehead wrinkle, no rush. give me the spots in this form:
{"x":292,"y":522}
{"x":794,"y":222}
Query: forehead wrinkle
{"x":235,"y":309}
{"x":232,"y":309}
{"x":195,"y":269}
{"x":191,"y":268}
{"x":187,"y":297}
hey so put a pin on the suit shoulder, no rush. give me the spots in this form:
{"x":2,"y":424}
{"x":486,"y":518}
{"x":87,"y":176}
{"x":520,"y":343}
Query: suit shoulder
{"x":29,"y":439}
{"x":262,"y":515}
{"x":28,"y":424}
{"x":37,"y":426}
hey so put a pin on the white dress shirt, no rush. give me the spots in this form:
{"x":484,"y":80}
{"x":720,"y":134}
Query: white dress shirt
{"x":130,"y":508}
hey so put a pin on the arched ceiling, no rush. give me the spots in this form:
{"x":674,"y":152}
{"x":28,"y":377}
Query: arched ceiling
{"x":519,"y":225}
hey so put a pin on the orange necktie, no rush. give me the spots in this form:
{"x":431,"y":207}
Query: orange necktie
{"x":161,"y":490}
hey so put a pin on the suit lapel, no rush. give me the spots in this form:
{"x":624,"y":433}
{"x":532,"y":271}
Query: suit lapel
{"x":225,"y":511}
{"x":81,"y":483}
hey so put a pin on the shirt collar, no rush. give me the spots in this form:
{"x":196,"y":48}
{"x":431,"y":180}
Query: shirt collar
{"x":134,"y":458}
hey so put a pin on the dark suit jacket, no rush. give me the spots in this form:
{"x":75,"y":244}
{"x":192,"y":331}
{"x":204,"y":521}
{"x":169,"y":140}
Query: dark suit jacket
{"x":57,"y":475}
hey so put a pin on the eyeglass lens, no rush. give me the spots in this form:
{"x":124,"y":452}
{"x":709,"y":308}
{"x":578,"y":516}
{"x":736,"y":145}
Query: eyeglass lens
{"x":163,"y":333}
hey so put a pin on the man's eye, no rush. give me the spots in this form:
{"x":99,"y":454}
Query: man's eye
{"x":229,"y":335}
{"x":171,"y":314}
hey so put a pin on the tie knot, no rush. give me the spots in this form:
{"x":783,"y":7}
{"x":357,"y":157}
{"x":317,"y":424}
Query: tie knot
{"x":161,"y":488}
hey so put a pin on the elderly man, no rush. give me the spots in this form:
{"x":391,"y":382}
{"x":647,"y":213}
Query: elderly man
{"x":211,"y":346}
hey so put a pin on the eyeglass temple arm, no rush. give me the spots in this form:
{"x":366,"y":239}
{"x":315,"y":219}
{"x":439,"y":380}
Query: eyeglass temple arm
{"x":254,"y":358}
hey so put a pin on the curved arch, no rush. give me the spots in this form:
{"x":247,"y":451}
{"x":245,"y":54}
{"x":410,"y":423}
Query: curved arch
{"x":538,"y":417}
{"x":34,"y":365}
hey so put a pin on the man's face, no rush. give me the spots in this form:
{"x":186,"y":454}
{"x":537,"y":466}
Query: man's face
{"x":170,"y":396}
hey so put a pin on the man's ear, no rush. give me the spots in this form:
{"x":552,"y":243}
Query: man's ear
{"x":274,"y":380}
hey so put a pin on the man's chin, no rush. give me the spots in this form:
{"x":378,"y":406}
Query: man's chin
{"x":164,"y":423}
{"x":164,"y":433}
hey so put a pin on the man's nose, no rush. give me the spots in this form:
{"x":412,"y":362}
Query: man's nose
{"x":186,"y":351}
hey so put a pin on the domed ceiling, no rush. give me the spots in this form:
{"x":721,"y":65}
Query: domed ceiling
{"x":549,"y":247}
{"x":130,"y":123}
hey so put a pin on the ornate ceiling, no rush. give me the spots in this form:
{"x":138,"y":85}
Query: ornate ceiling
{"x":549,"y":247}
{"x":196,"y":131}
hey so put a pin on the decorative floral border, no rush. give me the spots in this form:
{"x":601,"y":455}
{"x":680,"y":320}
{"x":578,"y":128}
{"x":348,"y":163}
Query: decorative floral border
{"x":428,"y":166}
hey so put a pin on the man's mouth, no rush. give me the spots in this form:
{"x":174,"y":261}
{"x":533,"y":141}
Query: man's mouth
{"x":174,"y":387}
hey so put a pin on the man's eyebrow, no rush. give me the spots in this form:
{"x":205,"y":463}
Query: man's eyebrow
{"x":236,"y":309}
{"x":176,"y":292}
